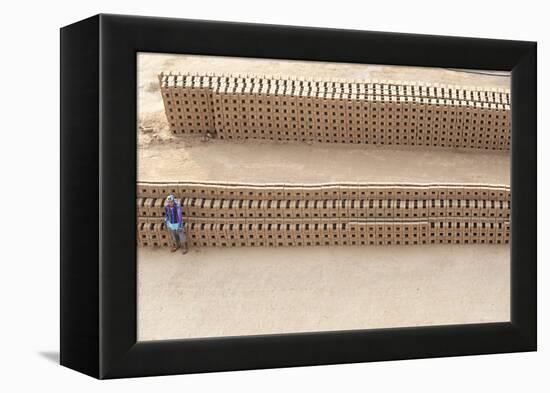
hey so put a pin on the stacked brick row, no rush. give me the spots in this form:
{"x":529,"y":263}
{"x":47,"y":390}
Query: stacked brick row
{"x":296,"y":191}
{"x":235,"y":234}
{"x":385,"y":113}
{"x":329,"y":214}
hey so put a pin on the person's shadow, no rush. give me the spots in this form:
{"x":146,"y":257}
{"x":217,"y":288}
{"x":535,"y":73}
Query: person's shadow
{"x":52,"y":356}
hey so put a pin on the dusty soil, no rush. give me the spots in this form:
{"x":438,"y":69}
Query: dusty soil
{"x":268,"y":161}
{"x":218,"y":292}
{"x":246,"y":291}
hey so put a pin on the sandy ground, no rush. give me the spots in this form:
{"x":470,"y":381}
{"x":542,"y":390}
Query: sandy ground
{"x":224,"y":292}
{"x":219,"y":292}
{"x":267,"y":161}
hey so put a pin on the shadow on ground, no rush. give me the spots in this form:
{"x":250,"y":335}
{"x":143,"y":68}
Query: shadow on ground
{"x":52,"y":356}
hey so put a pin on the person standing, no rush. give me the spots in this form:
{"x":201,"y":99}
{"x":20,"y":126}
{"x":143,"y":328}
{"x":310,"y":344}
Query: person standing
{"x":175,"y":223}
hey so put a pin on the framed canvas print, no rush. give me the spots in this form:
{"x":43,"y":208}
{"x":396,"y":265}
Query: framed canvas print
{"x":239,"y":196}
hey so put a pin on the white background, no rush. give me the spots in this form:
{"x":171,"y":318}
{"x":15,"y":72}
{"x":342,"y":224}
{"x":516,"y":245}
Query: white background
{"x":29,"y":154}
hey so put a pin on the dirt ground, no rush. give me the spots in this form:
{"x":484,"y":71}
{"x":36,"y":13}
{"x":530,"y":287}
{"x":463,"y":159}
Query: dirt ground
{"x":268,"y":161}
{"x":219,"y":292}
{"x":245,"y":291}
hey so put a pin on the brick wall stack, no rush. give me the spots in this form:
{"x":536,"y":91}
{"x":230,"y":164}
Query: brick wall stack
{"x":373,"y":113}
{"x":237,"y":215}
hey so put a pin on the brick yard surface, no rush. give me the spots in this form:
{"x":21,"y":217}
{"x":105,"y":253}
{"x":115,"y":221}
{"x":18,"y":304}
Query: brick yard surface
{"x":226,"y":291}
{"x":250,"y":290}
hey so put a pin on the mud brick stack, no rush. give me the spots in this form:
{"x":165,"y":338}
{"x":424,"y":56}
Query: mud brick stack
{"x":328,"y":111}
{"x":276,"y":215}
{"x":235,"y":107}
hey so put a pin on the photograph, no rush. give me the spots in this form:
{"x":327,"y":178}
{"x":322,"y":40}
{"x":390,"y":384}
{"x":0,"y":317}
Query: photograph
{"x":280,"y":196}
{"x":291,"y":197}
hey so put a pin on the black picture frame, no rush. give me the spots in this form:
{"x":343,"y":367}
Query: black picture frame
{"x":98,"y":191}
